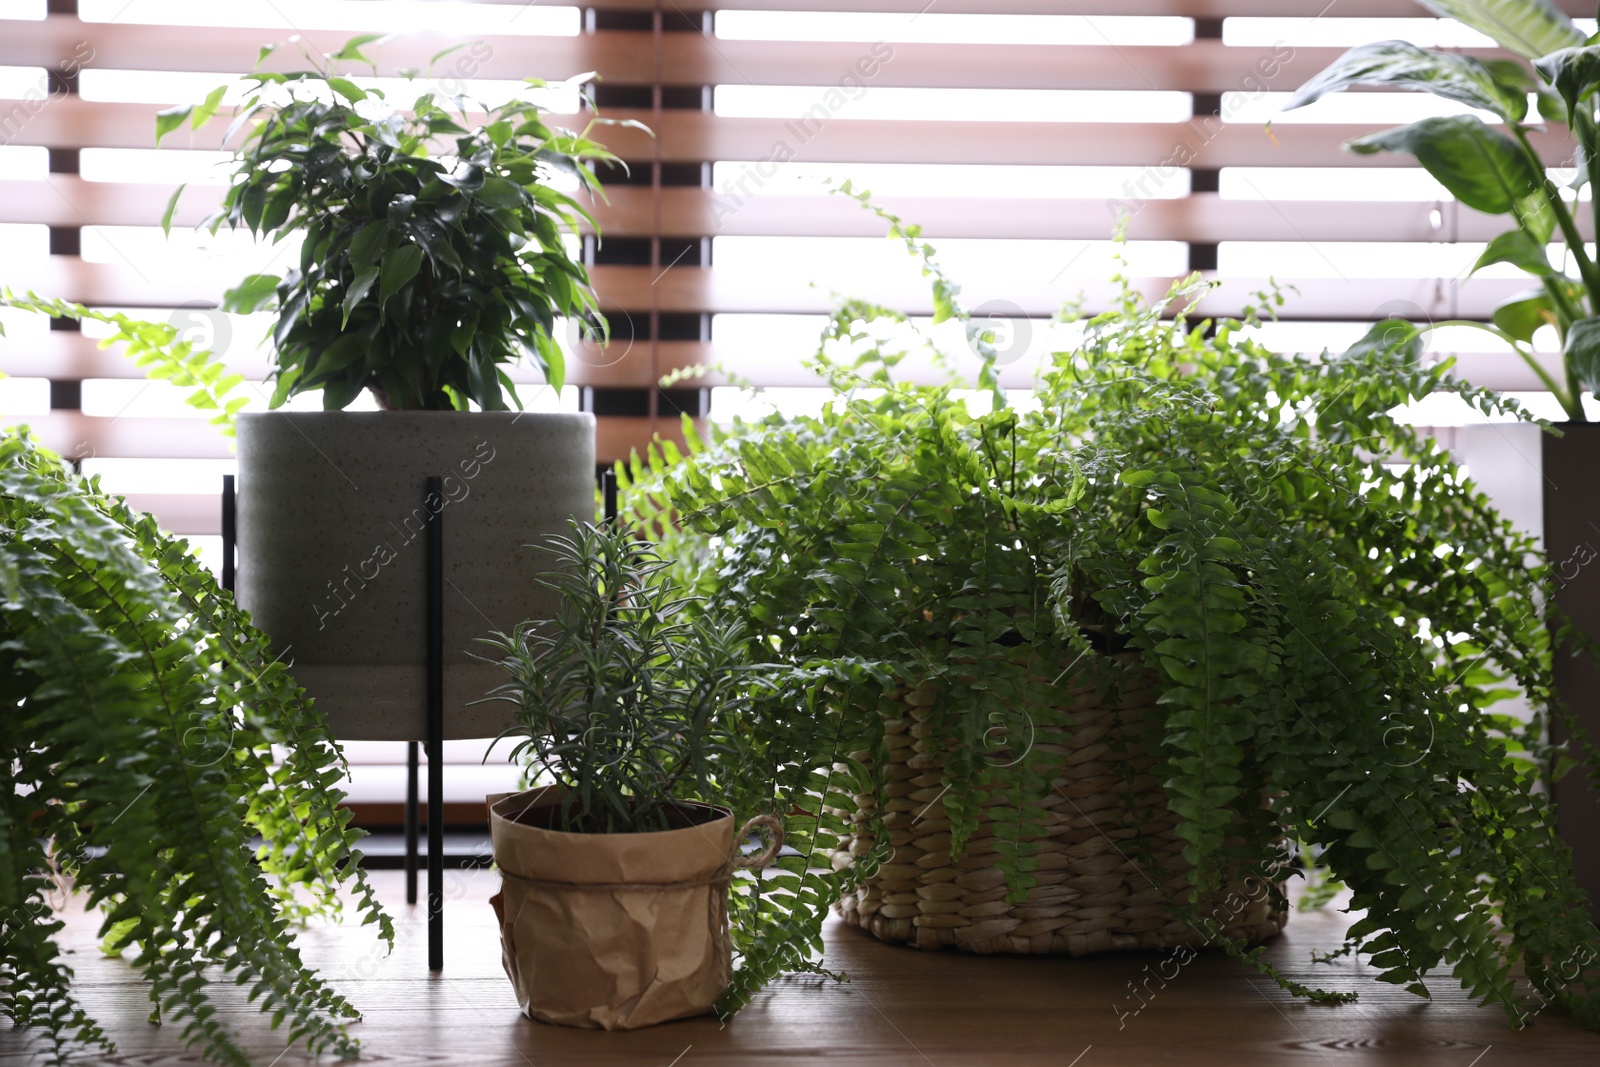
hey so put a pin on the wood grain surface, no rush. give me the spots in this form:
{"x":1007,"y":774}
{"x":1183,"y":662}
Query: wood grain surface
{"x":900,"y":1007}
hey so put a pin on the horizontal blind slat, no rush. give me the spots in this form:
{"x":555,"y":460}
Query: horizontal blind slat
{"x":65,"y":200}
{"x":620,"y":55}
{"x":623,"y":57}
{"x":694,"y":137}
{"x":702,"y":289}
{"x":1210,"y":9}
{"x":1207,"y":9}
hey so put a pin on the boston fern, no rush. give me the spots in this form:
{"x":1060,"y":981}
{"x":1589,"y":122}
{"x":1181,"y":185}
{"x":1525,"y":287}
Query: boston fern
{"x":433,"y":253}
{"x":1501,"y":173}
{"x":635,"y":703}
{"x":159,"y":760}
{"x":156,"y":348}
{"x":1330,"y":607}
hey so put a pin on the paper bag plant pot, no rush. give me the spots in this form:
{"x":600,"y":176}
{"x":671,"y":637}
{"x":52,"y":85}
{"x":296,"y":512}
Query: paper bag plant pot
{"x":616,"y":931}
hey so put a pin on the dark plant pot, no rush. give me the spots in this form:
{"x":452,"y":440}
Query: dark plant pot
{"x":1570,"y":464}
{"x":1544,"y":485}
{"x":331,"y":550}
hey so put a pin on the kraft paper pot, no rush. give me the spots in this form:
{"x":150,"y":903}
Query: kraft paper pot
{"x":616,"y":931}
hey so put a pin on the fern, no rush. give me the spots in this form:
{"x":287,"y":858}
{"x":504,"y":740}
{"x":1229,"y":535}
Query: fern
{"x":142,"y":708}
{"x":1332,"y":634}
{"x":156,"y":349}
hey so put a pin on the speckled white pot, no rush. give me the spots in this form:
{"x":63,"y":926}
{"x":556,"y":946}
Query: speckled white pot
{"x":331,"y":550}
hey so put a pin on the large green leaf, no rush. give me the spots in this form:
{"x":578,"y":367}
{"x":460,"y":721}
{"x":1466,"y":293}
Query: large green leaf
{"x":399,"y":267}
{"x":366,"y":244}
{"x":202,"y":114}
{"x":172,"y":207}
{"x":1583,"y":351}
{"x":1533,"y":213}
{"x":1530,"y":28}
{"x":1574,"y":72}
{"x":358,"y":289}
{"x":251,"y":295}
{"x":1519,"y":249}
{"x":351,"y":51}
{"x":347,"y":89}
{"x":1525,"y":314}
{"x":171,"y":119}
{"x":1403,"y":65}
{"x":1395,"y":338}
{"x":1484,"y":169}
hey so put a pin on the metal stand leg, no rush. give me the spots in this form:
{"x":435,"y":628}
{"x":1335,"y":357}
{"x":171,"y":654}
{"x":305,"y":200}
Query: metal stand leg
{"x":229,"y":532}
{"x":411,"y":822}
{"x":608,"y":494}
{"x":433,"y":504}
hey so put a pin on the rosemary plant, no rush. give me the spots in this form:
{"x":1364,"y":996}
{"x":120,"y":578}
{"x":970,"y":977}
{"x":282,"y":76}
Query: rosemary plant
{"x":636,"y":700}
{"x":624,"y":700}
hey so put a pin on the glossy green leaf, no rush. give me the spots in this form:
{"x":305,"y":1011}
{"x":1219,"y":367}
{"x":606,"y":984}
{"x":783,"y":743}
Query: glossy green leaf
{"x":1583,"y":351}
{"x":347,"y":89}
{"x":449,"y":51}
{"x":172,"y":208}
{"x":1530,"y":28}
{"x":351,"y":50}
{"x":1518,"y":249}
{"x":204,"y":111}
{"x":1400,"y":64}
{"x":170,"y":119}
{"x":366,"y":246}
{"x":358,"y":289}
{"x":1483,"y":168}
{"x":252,"y":294}
{"x":1392,"y":338}
{"x":1524,"y":315}
{"x":1534,"y":213}
{"x":399,"y":267}
{"x":1574,"y":72}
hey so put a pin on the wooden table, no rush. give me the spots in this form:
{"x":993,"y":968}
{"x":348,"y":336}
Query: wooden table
{"x":901,"y":1007}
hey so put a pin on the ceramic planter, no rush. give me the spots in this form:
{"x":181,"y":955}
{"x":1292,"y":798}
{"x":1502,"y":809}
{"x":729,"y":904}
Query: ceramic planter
{"x":1546,"y":485}
{"x":331,"y":550}
{"x":616,"y":931}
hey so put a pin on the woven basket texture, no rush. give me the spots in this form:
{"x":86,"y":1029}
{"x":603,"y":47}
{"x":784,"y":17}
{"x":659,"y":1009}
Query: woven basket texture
{"x":1097,"y":861}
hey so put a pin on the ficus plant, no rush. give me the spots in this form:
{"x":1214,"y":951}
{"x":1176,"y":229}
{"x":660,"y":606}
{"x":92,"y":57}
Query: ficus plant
{"x":1496,"y":169}
{"x":156,"y":758}
{"x":433,"y":234}
{"x":1331,"y":610}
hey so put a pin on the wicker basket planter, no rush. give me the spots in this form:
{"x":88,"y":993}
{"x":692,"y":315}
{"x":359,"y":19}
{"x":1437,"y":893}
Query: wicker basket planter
{"x":1095,"y":862}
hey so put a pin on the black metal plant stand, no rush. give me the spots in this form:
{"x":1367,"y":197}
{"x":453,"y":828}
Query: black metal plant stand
{"x":411,"y":822}
{"x":433,"y":496}
{"x":433,"y":504}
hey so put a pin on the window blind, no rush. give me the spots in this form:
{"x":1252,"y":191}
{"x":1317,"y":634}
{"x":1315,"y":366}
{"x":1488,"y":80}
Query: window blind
{"x":1012,"y":131}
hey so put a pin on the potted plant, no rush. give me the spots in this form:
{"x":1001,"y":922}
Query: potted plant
{"x":1495,"y":169}
{"x":616,"y":871}
{"x":431,"y":255}
{"x":1100,"y":656}
{"x":140,"y":707}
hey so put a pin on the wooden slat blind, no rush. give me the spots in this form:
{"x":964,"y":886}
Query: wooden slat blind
{"x":656,"y":269}
{"x":660,"y":62}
